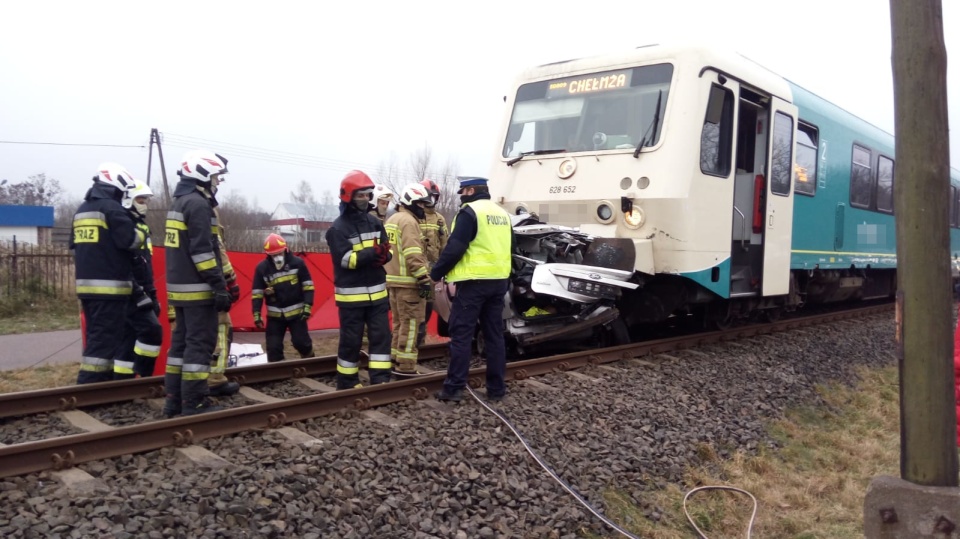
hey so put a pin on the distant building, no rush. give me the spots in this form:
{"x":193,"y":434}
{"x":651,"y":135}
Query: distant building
{"x":29,"y":224}
{"x":302,"y":224}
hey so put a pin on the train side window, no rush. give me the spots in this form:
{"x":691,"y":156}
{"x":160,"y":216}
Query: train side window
{"x":885,"y":184}
{"x":953,"y":206}
{"x":805,"y":171}
{"x":716,"y":138}
{"x":861,"y":184}
{"x":782,"y":159}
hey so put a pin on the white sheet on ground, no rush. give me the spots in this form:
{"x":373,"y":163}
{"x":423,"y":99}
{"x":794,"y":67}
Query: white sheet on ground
{"x":242,"y":355}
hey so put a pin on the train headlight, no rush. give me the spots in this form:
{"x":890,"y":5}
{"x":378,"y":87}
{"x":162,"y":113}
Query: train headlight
{"x":605,"y":212}
{"x":633,"y":218}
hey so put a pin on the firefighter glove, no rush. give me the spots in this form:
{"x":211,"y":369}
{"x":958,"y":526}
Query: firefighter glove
{"x":382,"y":250}
{"x":156,"y":303}
{"x":257,"y":321}
{"x":144,"y":303}
{"x":234,"y":290}
{"x":424,"y":288}
{"x":222,"y":301}
{"x":306,"y":312}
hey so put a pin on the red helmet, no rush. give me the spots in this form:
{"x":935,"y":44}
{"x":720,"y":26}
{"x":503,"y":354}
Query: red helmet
{"x":274,"y":245}
{"x":432,"y":188}
{"x":354,"y":181}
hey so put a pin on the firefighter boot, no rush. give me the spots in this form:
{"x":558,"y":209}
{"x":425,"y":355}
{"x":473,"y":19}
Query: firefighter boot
{"x":225,"y":389}
{"x":200,"y":407}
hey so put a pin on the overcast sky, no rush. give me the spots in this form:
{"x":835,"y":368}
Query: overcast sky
{"x":346,"y":85}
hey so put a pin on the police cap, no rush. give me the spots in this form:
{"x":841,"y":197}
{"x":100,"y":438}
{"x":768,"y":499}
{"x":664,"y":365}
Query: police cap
{"x":470,"y":181}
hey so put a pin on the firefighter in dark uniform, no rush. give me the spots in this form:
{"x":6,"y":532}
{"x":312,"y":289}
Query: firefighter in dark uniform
{"x":196,"y":286}
{"x":359,"y":249}
{"x":142,"y":334}
{"x":478,"y":259}
{"x":284,"y":280}
{"x":104,"y":242}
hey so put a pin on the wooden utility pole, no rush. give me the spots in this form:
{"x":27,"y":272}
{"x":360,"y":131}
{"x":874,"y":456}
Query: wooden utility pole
{"x":155,"y":139}
{"x":928,"y":452}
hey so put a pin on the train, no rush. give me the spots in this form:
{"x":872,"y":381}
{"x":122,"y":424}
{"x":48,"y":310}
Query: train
{"x":743,"y":194}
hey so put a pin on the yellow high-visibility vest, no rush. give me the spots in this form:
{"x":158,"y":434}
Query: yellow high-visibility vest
{"x":488,"y":256}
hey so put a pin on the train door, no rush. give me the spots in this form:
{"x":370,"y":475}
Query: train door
{"x":778,"y":222}
{"x":746,"y":252}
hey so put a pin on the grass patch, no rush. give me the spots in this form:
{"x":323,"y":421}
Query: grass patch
{"x":42,"y":377}
{"x":812,"y":487}
{"x":26,"y":314}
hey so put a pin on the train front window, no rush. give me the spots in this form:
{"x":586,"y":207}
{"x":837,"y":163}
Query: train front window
{"x":610,"y":110}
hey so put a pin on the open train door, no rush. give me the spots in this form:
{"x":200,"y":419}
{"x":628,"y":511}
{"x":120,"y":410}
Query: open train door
{"x":778,"y":227}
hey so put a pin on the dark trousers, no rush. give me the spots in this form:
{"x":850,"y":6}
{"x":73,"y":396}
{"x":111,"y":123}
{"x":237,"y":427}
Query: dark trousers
{"x":299,"y":336}
{"x":477,"y":301}
{"x":422,"y":330}
{"x":104,"y":319}
{"x":142,"y":337}
{"x":352,"y":322}
{"x":191,"y":349}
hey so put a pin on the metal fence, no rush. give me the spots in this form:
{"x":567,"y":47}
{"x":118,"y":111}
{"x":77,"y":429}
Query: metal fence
{"x":36,"y":271}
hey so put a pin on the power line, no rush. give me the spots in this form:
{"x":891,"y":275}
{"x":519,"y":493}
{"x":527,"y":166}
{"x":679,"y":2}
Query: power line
{"x":70,"y":144}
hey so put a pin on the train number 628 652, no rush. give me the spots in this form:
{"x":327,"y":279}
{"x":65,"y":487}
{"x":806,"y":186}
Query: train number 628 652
{"x":563,"y":189}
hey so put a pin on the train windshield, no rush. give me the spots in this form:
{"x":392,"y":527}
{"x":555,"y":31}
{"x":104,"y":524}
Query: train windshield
{"x":609,"y":110}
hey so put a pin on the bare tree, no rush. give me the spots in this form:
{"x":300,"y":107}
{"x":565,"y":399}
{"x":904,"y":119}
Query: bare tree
{"x":38,"y":190}
{"x":420,"y":162}
{"x":303,"y":194}
{"x":64,"y":211}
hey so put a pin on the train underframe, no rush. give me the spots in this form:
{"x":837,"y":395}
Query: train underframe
{"x":662,"y":297}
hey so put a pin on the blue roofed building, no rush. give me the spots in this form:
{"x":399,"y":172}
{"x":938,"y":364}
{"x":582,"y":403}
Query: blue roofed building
{"x":29,"y":224}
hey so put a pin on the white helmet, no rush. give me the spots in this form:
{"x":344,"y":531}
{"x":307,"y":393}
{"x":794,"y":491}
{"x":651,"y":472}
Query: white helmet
{"x":414,"y":192}
{"x":114,"y":175}
{"x":380,"y":191}
{"x":201,"y":165}
{"x":140,"y":189}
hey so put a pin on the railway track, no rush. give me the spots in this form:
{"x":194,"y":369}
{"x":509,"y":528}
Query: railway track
{"x":67,"y":451}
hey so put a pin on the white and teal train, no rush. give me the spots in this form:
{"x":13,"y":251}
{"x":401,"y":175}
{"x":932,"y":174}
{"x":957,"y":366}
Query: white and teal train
{"x":741,"y":191}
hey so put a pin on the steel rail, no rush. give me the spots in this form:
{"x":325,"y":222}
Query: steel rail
{"x":67,"y":451}
{"x":72,"y":397}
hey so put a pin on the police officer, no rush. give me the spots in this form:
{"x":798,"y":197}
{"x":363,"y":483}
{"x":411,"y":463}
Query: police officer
{"x":104,"y":241}
{"x":435,"y":233}
{"x":142,"y":333}
{"x":196,"y":286}
{"x":359,"y":249}
{"x":407,"y":279}
{"x":285,"y":281}
{"x":478,"y":259}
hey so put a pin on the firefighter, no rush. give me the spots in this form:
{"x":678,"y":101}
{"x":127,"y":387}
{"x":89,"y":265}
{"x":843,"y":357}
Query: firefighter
{"x":407,"y":280}
{"x":382,"y":197}
{"x":142,"y":332}
{"x":434,"y":229}
{"x":478,"y":259}
{"x":196,"y":286}
{"x":104,"y":241}
{"x":284,"y":280}
{"x":359,"y":250}
{"x":217,"y":382}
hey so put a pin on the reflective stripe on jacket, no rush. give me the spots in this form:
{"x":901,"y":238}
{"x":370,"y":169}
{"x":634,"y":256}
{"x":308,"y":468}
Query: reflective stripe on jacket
{"x":489,"y":254}
{"x":358,"y":280}
{"x":406,"y":243}
{"x":193,"y":265}
{"x":435,"y":233}
{"x":292,"y":287}
{"x":104,"y":242}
